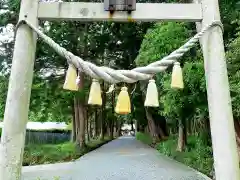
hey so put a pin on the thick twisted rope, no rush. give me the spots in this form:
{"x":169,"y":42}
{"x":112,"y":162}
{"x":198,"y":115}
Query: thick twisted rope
{"x":128,"y":76}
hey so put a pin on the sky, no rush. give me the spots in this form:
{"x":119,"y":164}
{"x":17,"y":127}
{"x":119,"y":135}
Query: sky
{"x":7,"y":36}
{"x":7,"y":33}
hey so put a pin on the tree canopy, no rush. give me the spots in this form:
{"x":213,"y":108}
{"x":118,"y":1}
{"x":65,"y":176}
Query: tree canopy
{"x":124,"y":46}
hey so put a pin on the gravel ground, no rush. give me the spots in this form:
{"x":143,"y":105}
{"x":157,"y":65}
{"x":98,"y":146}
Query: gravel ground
{"x":122,"y":159}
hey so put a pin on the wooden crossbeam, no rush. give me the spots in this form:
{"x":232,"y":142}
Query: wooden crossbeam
{"x":95,"y":12}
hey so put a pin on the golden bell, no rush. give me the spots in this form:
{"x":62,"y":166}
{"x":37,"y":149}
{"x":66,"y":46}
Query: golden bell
{"x":70,"y":80}
{"x":123,"y":105}
{"x":95,"y":97}
{"x":177,"y":77}
{"x":151,"y":95}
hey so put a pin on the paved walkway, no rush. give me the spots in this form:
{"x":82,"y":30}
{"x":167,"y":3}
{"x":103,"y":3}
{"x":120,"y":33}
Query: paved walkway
{"x":121,"y":159}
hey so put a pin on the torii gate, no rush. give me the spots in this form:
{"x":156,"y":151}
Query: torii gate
{"x":203,"y":12}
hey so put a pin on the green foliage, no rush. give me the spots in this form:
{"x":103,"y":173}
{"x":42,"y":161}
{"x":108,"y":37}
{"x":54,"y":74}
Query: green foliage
{"x":117,"y":45}
{"x":161,"y":40}
{"x":103,"y":43}
{"x":138,"y":107}
{"x":145,"y":138}
{"x":191,"y":102}
{"x":45,"y":154}
{"x":197,"y":154}
{"x":3,"y":94}
{"x":233,"y":61}
{"x":49,"y":102}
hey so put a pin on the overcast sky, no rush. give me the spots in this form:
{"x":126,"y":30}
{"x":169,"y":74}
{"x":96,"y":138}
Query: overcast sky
{"x":7,"y":34}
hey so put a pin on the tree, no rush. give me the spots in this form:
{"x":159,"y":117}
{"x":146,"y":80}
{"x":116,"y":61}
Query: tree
{"x":3,"y":94}
{"x":159,"y":42}
{"x":234,"y":79}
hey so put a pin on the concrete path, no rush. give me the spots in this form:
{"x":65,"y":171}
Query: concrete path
{"x":121,"y":159}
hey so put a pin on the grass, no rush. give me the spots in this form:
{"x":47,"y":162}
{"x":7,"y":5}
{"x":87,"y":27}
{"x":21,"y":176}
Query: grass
{"x":145,"y":138}
{"x":35,"y":154}
{"x":196,"y":155}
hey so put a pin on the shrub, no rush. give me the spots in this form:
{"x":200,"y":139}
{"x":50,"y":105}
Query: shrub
{"x":196,"y":155}
{"x":145,"y":138}
{"x":48,"y":153}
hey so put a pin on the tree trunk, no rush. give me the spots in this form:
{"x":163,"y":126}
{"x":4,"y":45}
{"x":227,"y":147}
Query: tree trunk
{"x":116,"y":129}
{"x":110,"y":129}
{"x":96,"y":124}
{"x":182,"y":136}
{"x":81,"y":115}
{"x":136,"y":127}
{"x":159,"y":131}
{"x":238,"y":144}
{"x":103,"y":115}
{"x":156,"y":136}
{"x":119,"y":129}
{"x":152,"y":127}
{"x":87,"y":126}
{"x":189,"y":127}
{"x":90,"y":127}
{"x":77,"y":124}
{"x":82,"y":125}
{"x":112,"y":120}
{"x":237,"y":132}
{"x":132,"y":128}
{"x":181,"y":144}
{"x":73,"y":133}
